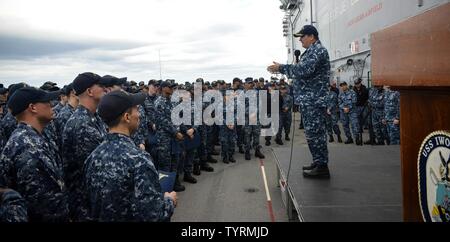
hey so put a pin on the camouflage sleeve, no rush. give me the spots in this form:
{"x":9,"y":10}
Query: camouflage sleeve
{"x":329,"y":101}
{"x":397,"y":98}
{"x":164,"y":121}
{"x":88,"y":138}
{"x":287,"y":102}
{"x":340,"y":101}
{"x":13,"y":208}
{"x":43,"y":194}
{"x":150,"y":204}
{"x":5,"y":168}
{"x":150,"y":112}
{"x":354,"y":100}
{"x":305,"y":69}
{"x":142,"y":132}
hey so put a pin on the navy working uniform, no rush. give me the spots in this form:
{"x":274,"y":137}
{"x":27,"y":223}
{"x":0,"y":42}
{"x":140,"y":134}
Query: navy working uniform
{"x":34,"y":169}
{"x":83,"y":132}
{"x":142,"y":133}
{"x":376,"y":102}
{"x":13,"y":208}
{"x":332,"y":118}
{"x":285,"y":116}
{"x":57,"y":108}
{"x":391,"y":113}
{"x":165,"y":133}
{"x":60,"y":121}
{"x":122,"y":184}
{"x":8,"y":124}
{"x":228,"y":134}
{"x":348,"y":100}
{"x":252,"y":132}
{"x":150,"y":113}
{"x":312,"y":76}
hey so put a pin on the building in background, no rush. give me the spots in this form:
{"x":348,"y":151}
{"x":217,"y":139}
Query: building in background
{"x":345,"y":27}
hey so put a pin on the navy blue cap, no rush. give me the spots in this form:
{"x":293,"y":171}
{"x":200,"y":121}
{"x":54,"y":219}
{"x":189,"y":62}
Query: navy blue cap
{"x":237,"y":79}
{"x":168,"y":84}
{"x":14,"y":87}
{"x":86,"y":80}
{"x":3,"y":91}
{"x":307,"y":30}
{"x":115,"y":103}
{"x":109,"y":81}
{"x":249,"y":80}
{"x":23,"y":97}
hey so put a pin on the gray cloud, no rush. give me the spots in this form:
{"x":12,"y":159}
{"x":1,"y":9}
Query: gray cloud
{"x":22,"y":47}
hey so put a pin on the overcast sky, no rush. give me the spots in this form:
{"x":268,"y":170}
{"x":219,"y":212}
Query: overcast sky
{"x":54,"y":40}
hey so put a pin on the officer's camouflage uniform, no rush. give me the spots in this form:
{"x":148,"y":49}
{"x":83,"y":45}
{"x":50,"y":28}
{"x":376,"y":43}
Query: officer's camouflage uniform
{"x":312,"y":76}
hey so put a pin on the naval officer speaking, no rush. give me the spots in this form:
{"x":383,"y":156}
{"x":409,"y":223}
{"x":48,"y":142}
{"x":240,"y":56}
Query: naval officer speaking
{"x":311,"y":78}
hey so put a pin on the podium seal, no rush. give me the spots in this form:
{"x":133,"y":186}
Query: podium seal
{"x":433,"y":176}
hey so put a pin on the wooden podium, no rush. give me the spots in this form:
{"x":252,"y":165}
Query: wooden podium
{"x":413,"y":57}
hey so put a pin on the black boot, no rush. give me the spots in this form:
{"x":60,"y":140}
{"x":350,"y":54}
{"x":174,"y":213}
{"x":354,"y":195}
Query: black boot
{"x":310,"y":167}
{"x":339,"y":139}
{"x":319,"y":172}
{"x":268,"y":142}
{"x":225,"y":160}
{"x":247,"y":155}
{"x":279,"y":141}
{"x":358,"y":141}
{"x":211,"y":160}
{"x":259,"y":154}
{"x":215,"y":152}
{"x":241,"y":150}
{"x":206,"y":167}
{"x":178,"y":187}
{"x":231,"y":159}
{"x":331,"y":139}
{"x":197,"y":170}
{"x":349,"y":141}
{"x":287,"y":138}
{"x":189,"y":178}
{"x":380,"y":143}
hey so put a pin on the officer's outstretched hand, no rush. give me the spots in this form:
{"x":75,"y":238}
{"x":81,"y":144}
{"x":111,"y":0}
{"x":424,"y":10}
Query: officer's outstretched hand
{"x":275,"y":68}
{"x":173,"y":196}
